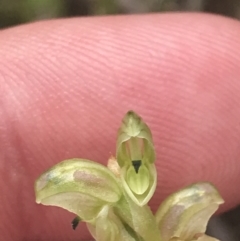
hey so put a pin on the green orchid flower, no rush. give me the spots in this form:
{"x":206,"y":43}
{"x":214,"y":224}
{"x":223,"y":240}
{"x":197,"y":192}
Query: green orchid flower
{"x":184,"y":215}
{"x":92,"y":192}
{"x":113,"y":200}
{"x":136,"y":156}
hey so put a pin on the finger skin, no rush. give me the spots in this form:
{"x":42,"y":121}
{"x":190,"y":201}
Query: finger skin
{"x":65,"y":86}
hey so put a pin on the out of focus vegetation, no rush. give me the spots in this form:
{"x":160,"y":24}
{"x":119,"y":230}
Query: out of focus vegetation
{"x":14,"y":12}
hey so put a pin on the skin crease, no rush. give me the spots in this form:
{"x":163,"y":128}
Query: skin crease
{"x":66,"y":84}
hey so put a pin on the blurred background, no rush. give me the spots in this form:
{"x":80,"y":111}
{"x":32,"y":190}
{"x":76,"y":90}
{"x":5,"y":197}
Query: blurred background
{"x":14,"y":12}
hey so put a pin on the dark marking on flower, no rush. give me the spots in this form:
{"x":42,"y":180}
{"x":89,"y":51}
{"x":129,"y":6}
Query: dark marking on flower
{"x":136,"y":164}
{"x":75,"y":222}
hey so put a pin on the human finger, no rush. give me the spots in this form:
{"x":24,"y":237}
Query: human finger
{"x":66,"y":84}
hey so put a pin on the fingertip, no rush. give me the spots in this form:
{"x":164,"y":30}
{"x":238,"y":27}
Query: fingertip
{"x":67,"y":83}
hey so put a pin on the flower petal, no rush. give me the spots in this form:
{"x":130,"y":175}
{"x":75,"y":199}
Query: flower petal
{"x":106,"y":229}
{"x":85,"y":206}
{"x":185,"y":213}
{"x":108,"y":226}
{"x":206,"y":238}
{"x":78,"y":185}
{"x":131,"y":187}
{"x":138,"y":182}
{"x":139,"y":218}
{"x":137,"y":134}
{"x":135,"y":152}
